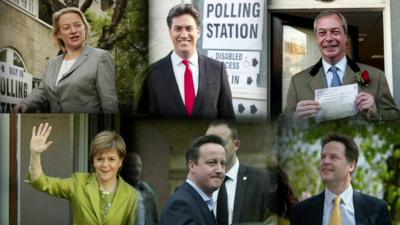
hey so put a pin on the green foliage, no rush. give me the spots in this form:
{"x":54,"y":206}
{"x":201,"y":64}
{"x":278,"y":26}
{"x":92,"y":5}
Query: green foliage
{"x":378,"y":169}
{"x":97,"y":22}
{"x":130,"y":49}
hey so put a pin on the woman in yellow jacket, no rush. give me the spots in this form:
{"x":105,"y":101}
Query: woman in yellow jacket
{"x":102,"y":197}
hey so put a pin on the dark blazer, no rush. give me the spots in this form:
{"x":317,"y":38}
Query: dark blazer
{"x":161,"y":97}
{"x":368,"y":210}
{"x":252,"y":197}
{"x":303,"y":85}
{"x":87,"y":87}
{"x":186,"y":207}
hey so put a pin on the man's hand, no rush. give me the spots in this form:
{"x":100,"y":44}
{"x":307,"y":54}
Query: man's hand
{"x":365,"y":104}
{"x":306,"y":109}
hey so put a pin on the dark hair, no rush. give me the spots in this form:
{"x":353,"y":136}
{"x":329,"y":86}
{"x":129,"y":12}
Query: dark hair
{"x":284,"y":197}
{"x":330,"y":12}
{"x":234,"y":131}
{"x":192,"y":152}
{"x":182,"y":9}
{"x":351,"y":149}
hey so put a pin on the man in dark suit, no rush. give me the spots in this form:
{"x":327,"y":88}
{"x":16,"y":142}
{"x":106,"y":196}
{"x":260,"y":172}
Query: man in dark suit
{"x":185,"y":83}
{"x":374,"y":100}
{"x":248,"y":189}
{"x":192,"y":203}
{"x":339,"y":204}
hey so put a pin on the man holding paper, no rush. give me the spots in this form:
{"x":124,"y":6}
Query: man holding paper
{"x":373,"y":100}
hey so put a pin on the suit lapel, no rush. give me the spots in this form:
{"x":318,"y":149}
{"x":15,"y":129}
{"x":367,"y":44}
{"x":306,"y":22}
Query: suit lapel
{"x":92,"y":188}
{"x":241,"y":186}
{"x":318,"y":208}
{"x":208,"y":216}
{"x":350,"y":76}
{"x":118,"y":201}
{"x":360,"y":214}
{"x":318,"y":81}
{"x":54,"y":70}
{"x":172,"y":83}
{"x":82,"y":57}
{"x":202,"y":84}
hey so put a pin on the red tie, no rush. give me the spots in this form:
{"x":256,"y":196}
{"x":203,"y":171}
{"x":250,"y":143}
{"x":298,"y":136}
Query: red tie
{"x":189,"y":88}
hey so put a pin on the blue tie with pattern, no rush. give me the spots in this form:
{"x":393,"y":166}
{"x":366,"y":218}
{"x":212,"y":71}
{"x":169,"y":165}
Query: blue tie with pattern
{"x":335,"y":79}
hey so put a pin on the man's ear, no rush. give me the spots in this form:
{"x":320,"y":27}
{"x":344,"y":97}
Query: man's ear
{"x":191,"y":164}
{"x":353,"y":166}
{"x":236,"y":144}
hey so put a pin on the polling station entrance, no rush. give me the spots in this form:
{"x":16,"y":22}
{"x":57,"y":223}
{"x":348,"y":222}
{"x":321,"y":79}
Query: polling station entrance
{"x":293,"y":46}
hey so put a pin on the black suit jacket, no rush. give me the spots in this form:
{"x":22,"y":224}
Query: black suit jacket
{"x":186,"y":207}
{"x":252,"y":196}
{"x":368,"y":210}
{"x":161,"y":97}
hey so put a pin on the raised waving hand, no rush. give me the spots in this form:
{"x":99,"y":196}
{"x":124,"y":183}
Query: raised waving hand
{"x":39,"y":142}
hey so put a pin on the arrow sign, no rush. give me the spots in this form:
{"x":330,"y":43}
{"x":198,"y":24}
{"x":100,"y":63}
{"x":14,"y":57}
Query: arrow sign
{"x":249,"y":80}
{"x":253,"y":109}
{"x":241,"y":108}
{"x":255,"y":62}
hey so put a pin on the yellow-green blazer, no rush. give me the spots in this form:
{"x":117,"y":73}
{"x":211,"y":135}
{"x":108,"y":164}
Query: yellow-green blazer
{"x":82,"y":191}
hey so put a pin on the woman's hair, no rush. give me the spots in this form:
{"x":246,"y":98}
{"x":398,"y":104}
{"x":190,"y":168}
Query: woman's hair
{"x":56,"y":27}
{"x":284,"y":195}
{"x":105,"y":141}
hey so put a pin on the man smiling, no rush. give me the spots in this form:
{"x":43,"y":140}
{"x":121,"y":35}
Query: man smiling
{"x":185,"y":83}
{"x":373,"y":102}
{"x":339,"y":204}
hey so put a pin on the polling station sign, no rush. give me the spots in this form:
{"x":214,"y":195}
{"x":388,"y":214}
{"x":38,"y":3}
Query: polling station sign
{"x":15,"y":85}
{"x":231,"y":24}
{"x":242,"y":66}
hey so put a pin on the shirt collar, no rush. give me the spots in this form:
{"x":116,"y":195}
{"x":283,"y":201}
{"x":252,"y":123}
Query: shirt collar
{"x":176,"y":59}
{"x":233,"y":172}
{"x":208,"y":199}
{"x":346,"y":196}
{"x":341,"y":65}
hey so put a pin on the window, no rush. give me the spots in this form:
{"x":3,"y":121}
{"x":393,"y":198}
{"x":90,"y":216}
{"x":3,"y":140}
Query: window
{"x":28,"y":5}
{"x":12,"y":57}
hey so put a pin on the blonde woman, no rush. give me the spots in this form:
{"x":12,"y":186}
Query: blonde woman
{"x":102,"y":197}
{"x":82,"y":79}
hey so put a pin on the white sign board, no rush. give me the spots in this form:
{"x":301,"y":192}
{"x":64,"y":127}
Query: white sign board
{"x":15,"y":85}
{"x":249,"y":108}
{"x":231,"y":24}
{"x":242,"y":67}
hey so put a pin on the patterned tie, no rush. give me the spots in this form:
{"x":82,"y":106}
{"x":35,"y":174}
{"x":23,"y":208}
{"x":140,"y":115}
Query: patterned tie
{"x":336,"y":217}
{"x":335,"y":79}
{"x":189,"y":89}
{"x":222,"y":204}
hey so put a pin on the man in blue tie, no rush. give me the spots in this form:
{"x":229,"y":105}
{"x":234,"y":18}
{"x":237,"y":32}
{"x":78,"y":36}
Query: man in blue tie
{"x":192,"y":203}
{"x":374,"y":100}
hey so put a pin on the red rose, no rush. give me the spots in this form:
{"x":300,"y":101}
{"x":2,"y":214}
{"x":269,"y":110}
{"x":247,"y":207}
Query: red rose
{"x":365,"y":77}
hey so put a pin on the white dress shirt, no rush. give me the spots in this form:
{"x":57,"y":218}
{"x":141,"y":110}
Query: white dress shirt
{"x":346,"y":206}
{"x":230,"y":185}
{"x":179,"y":71}
{"x":341,"y":65}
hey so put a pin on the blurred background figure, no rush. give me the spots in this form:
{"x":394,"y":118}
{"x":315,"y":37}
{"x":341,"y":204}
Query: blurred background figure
{"x":245,"y":194}
{"x":132,"y":173}
{"x":284,"y":198}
